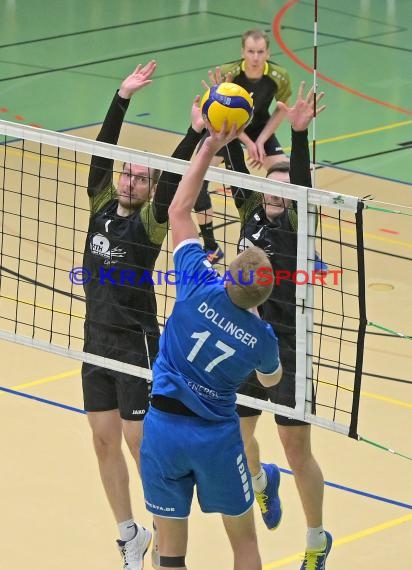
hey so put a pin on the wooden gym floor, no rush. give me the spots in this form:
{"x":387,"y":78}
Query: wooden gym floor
{"x":54,"y":513}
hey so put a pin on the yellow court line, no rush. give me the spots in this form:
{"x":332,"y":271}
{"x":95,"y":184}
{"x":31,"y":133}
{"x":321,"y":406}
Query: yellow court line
{"x":287,"y":149}
{"x":369,"y":235}
{"x":47,"y":379}
{"x":365,"y":132}
{"x":386,"y":399}
{"x":358,"y":134}
{"x":49,"y":308}
{"x":384,"y":239}
{"x":344,"y":540}
{"x":15,"y":151}
{"x":372,"y":395}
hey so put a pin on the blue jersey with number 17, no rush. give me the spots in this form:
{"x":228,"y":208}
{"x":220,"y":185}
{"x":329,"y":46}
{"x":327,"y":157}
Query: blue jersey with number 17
{"x":209,"y":345}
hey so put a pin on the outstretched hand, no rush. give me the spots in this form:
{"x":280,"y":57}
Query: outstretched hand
{"x":138,"y":79}
{"x":198,"y":123}
{"x":303,"y":111}
{"x":215,"y":78}
{"x":219,"y":139}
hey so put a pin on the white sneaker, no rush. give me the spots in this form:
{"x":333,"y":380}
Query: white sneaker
{"x":133,"y":551}
{"x":155,"y":551}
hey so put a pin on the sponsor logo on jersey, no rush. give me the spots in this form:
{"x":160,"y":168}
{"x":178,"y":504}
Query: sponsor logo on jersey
{"x":100,"y":246}
{"x":159,"y":507}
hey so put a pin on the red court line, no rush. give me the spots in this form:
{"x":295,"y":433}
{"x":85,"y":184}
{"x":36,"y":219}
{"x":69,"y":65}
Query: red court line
{"x":276,"y":32}
{"x":387,"y":231}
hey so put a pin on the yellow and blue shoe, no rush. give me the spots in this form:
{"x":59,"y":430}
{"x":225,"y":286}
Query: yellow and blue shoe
{"x":316,"y":559}
{"x":214,"y":256}
{"x":268,"y":500}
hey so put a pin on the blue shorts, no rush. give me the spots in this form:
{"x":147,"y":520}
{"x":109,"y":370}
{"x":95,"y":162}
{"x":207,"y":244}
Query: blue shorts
{"x":179,"y":452}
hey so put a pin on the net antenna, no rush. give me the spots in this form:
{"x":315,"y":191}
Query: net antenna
{"x":44,"y":220}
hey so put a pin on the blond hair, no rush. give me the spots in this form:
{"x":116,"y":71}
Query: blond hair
{"x":247,"y":287}
{"x":256,"y":34}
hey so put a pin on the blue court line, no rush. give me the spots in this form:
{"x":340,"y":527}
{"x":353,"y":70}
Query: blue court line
{"x":42,"y":400}
{"x":357,"y":492}
{"x":283,"y":470}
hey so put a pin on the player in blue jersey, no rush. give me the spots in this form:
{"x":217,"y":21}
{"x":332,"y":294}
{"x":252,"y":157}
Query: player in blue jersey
{"x":212,"y":339}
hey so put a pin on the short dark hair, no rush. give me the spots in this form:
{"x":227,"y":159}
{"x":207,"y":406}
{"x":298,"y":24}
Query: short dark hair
{"x":283,"y":166}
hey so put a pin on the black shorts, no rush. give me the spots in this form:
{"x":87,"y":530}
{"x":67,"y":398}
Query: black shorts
{"x":105,"y":389}
{"x":283,"y":393}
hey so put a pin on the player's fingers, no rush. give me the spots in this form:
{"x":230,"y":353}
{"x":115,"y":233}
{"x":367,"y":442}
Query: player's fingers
{"x":208,"y":125}
{"x":234,"y":131}
{"x":320,"y":96}
{"x":310,"y":96}
{"x":212,"y":77}
{"x":320,"y":109}
{"x":152,"y":66}
{"x":224,"y":128}
{"x":301,"y":89}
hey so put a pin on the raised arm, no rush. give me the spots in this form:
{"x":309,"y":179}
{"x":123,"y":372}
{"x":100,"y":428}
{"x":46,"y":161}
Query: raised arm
{"x":283,"y":93}
{"x":271,"y":127}
{"x":101,"y":169}
{"x":168,"y":181}
{"x":180,"y":211}
{"x":300,"y":116}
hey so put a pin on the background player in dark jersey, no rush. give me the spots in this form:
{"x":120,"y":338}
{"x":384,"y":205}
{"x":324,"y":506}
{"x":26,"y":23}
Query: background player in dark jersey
{"x":268,"y":82}
{"x":125,"y":234}
{"x":271,"y":224}
{"x":212,"y":339}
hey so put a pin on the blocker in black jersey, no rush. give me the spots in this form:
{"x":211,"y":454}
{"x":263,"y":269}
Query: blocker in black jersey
{"x":125,"y":234}
{"x":270,"y":222}
{"x":128,"y":223}
{"x":268,"y":83}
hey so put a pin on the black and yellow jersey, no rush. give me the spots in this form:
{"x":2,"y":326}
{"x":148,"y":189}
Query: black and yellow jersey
{"x":277,"y":238}
{"x":274,"y":84}
{"x":121,"y":251}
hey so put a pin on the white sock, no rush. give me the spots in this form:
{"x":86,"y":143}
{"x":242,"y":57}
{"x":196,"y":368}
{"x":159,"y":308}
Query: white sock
{"x":259,"y":481}
{"x":315,"y":538}
{"x":127,"y":530}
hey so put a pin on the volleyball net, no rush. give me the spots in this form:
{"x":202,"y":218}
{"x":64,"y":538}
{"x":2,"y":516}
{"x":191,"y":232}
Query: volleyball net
{"x":44,"y":224}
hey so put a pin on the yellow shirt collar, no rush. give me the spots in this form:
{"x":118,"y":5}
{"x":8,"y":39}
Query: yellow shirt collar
{"x":265,"y":71}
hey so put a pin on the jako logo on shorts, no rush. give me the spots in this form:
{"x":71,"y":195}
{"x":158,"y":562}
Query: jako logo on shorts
{"x":243,"y":476}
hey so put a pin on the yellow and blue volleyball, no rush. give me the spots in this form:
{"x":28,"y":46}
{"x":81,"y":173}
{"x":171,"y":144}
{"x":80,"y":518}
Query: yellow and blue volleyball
{"x":229,"y":102}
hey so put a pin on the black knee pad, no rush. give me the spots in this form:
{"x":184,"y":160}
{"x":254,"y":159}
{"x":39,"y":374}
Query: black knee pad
{"x":172,"y":561}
